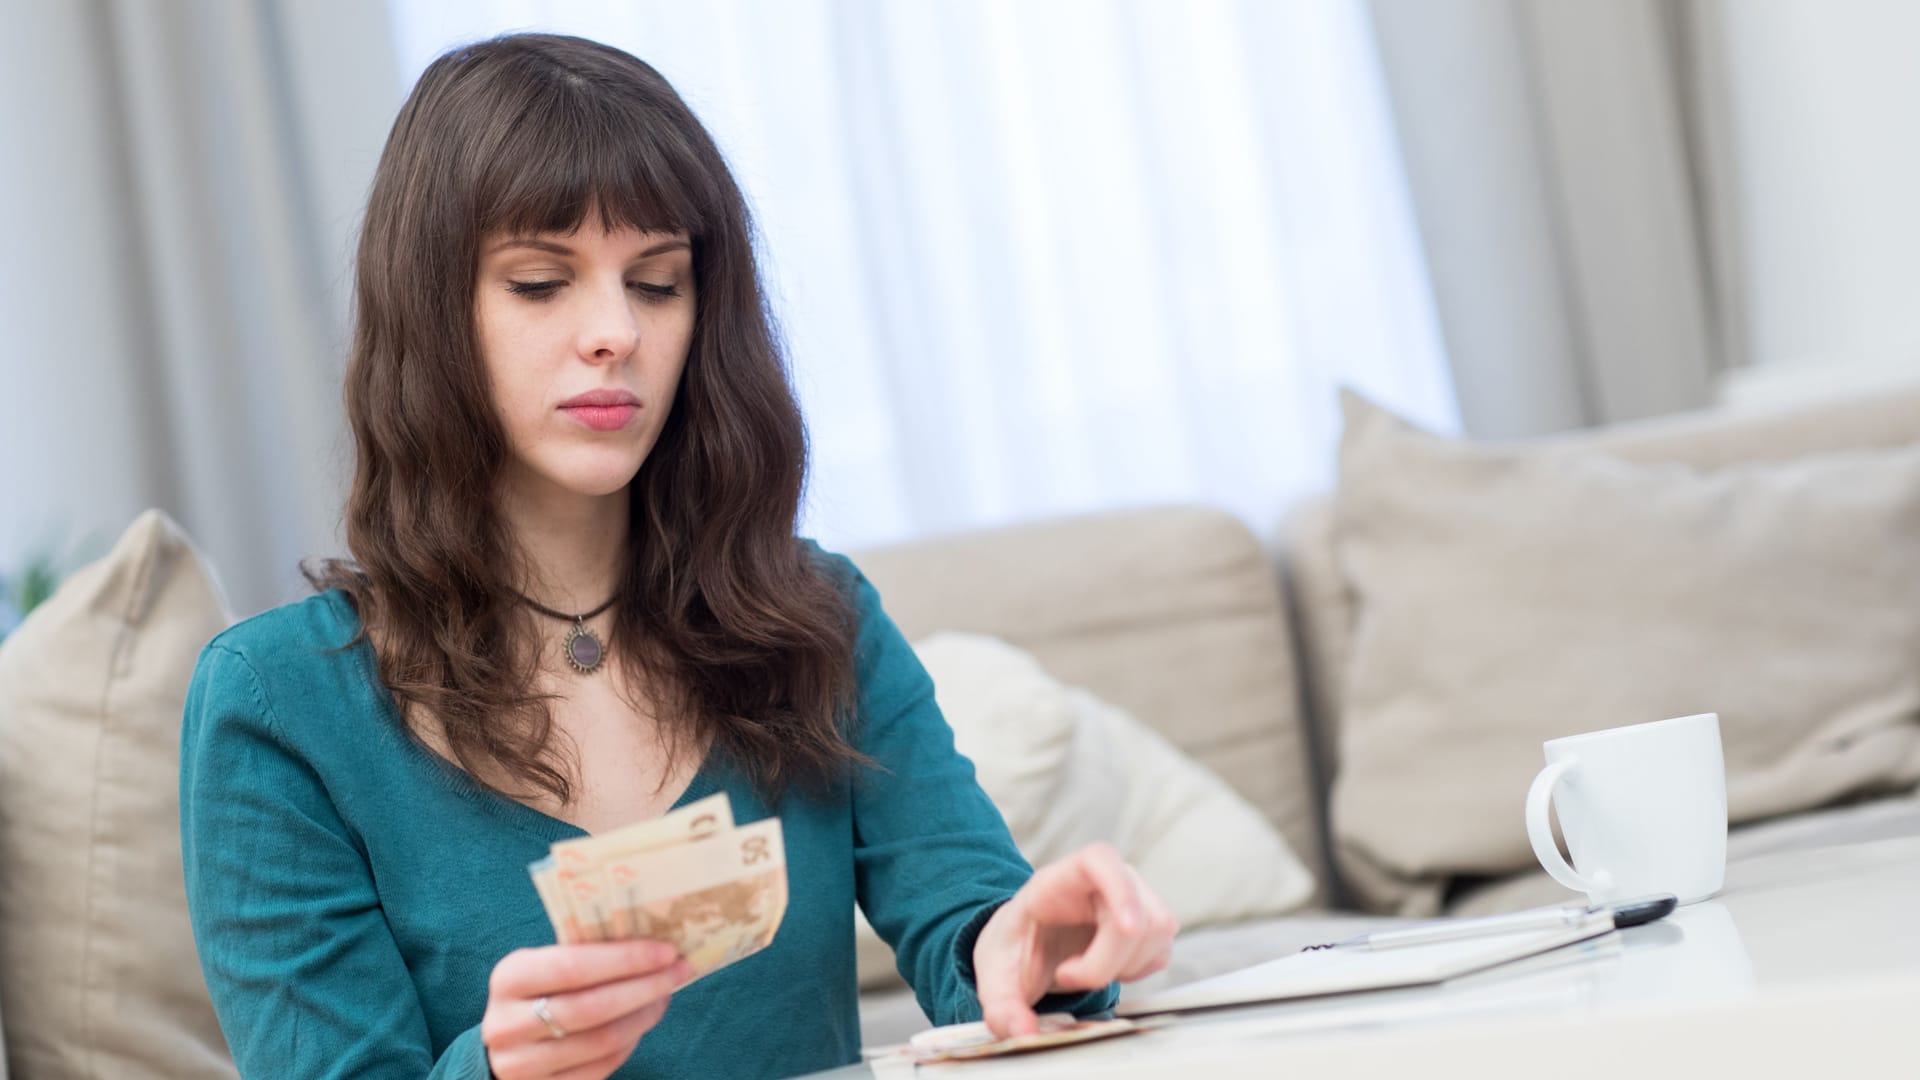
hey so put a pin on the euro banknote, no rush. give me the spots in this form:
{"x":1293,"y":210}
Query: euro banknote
{"x":715,"y":891}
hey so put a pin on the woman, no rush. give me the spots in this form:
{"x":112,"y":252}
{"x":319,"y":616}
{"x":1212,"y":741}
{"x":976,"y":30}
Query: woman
{"x":576,"y":602}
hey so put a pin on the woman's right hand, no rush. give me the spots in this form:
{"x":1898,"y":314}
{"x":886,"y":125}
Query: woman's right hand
{"x":602,"y":996}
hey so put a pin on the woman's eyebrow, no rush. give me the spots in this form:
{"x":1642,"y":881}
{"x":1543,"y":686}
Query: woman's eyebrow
{"x":552,"y":248}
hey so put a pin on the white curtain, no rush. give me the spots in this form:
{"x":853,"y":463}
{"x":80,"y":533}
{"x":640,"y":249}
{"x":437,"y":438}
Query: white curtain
{"x":1032,"y":258}
{"x":179,"y":186}
{"x":1038,"y":258}
{"x":1552,"y":153}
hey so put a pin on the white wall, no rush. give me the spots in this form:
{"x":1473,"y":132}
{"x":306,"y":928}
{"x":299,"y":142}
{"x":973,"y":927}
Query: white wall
{"x":1823,"y":167}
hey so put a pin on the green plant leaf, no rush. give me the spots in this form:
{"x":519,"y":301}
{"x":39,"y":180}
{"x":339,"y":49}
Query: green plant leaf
{"x":37,"y":582}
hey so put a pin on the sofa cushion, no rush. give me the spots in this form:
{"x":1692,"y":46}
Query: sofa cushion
{"x":1172,"y":614}
{"x":1323,"y":603}
{"x":1066,"y":770}
{"x":1505,"y":597}
{"x":97,"y":964}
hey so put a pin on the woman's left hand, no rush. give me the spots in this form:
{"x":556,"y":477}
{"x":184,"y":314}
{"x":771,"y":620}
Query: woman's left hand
{"x":1077,"y":924}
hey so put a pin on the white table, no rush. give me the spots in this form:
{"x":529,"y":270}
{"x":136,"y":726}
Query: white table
{"x":1806,"y":964}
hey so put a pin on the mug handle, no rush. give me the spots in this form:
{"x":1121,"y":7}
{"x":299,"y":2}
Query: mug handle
{"x":1540,"y":831}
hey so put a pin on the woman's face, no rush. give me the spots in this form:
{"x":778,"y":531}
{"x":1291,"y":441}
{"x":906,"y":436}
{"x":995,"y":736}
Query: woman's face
{"x":583,"y":335}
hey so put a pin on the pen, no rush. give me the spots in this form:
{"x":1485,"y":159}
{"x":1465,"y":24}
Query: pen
{"x":1626,"y":913}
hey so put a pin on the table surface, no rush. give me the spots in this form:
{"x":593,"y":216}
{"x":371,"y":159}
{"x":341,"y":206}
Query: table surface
{"x":1807,"y":959}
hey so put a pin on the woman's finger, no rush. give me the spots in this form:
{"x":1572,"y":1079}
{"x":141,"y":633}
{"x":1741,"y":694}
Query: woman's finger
{"x":555,"y":969}
{"x":1153,"y":963}
{"x":550,"y":1055}
{"x":1152,"y":954}
{"x":1003,"y":1004}
{"x":1009,"y":969}
{"x":594,"y":1070}
{"x":600,"y":1068}
{"x":1103,"y":957}
{"x":649,"y":1017}
{"x":1119,"y":915}
{"x":1113,"y":880}
{"x":1154,"y":946}
{"x":584,"y":1010}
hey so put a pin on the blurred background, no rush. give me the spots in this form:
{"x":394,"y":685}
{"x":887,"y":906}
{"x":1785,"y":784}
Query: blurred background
{"x":1031,"y":257}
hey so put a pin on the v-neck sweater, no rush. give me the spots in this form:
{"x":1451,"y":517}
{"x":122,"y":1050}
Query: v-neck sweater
{"x":351,"y":891}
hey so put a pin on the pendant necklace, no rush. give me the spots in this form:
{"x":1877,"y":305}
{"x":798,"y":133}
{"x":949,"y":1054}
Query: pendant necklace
{"x":583,"y":648}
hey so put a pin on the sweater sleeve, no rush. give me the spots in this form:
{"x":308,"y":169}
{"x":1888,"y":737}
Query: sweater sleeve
{"x":301,"y":965}
{"x":932,"y":858}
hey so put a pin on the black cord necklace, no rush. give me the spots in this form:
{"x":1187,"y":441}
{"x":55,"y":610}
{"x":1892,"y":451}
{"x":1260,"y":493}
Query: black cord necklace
{"x":583,"y":648}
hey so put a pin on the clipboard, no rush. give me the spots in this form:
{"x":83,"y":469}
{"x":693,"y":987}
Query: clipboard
{"x":1324,"y":973}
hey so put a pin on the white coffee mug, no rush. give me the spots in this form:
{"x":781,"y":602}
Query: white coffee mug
{"x":1643,"y":809}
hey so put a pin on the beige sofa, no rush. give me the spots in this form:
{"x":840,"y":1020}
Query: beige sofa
{"x":1239,"y":653}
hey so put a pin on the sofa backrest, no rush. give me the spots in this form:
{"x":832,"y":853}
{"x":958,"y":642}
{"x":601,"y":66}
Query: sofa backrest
{"x":1173,"y":614}
{"x":1323,"y":612}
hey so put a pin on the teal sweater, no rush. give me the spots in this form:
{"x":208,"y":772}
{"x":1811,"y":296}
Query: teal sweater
{"x":351,"y":892}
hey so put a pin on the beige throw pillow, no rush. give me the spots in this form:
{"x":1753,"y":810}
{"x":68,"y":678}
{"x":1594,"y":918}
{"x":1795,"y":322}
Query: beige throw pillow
{"x":1508,"y":596}
{"x":98,"y":973}
{"x":1067,"y":770}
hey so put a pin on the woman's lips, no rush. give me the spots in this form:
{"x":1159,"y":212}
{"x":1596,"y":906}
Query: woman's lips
{"x":602,"y":417}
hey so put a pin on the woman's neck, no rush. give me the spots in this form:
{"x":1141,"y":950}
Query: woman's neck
{"x":575,"y":546}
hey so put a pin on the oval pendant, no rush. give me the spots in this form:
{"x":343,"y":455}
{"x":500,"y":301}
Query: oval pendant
{"x":584,"y":650}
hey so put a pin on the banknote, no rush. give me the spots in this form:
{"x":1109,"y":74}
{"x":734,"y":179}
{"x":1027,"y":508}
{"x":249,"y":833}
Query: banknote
{"x":703,"y":817}
{"x":573,"y":867}
{"x":961,"y":1042}
{"x":546,"y":882}
{"x":717,"y":900}
{"x":717,"y":892}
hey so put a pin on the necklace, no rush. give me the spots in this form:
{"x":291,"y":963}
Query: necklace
{"x":583,"y":648}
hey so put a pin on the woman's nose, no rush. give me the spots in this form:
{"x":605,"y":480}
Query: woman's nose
{"x":610,"y":331}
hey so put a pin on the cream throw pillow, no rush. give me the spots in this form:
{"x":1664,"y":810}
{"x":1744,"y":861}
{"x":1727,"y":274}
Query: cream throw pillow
{"x":97,"y":965}
{"x":1508,"y":596}
{"x":1066,"y":770}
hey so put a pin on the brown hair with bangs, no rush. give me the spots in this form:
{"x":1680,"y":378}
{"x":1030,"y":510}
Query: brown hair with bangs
{"x":745,"y":634}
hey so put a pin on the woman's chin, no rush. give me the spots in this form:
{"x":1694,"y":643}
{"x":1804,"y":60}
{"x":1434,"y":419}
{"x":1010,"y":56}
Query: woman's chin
{"x":594,"y":480}
{"x":586,"y":472}
{"x":603,"y":483}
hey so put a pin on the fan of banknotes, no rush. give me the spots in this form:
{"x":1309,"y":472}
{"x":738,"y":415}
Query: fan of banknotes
{"x":689,"y":877}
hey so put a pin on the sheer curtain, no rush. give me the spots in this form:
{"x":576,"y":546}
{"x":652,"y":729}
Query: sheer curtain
{"x":179,"y":188}
{"x":1034,"y":259}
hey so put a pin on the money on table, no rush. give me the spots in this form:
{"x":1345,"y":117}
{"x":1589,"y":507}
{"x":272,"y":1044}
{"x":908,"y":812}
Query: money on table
{"x":962,"y":1042}
{"x":689,"y":877}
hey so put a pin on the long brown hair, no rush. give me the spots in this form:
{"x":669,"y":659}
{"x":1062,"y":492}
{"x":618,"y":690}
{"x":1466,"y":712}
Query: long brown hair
{"x":743,"y":630}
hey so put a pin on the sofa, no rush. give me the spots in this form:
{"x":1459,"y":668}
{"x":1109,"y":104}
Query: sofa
{"x":1265,"y":669}
{"x":1242,"y":653}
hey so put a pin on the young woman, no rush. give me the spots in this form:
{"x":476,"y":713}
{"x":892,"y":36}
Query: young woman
{"x":577,"y":601}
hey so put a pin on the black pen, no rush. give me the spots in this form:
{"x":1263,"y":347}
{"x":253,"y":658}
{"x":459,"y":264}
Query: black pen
{"x":1627,"y":913}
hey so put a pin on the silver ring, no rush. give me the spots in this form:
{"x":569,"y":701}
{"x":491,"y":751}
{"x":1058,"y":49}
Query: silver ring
{"x":540,"y":1010}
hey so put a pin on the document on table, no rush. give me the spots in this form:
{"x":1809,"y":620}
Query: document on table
{"x":1326,"y":972}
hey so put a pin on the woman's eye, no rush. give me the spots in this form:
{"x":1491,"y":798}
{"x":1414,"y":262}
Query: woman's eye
{"x":543,"y":290}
